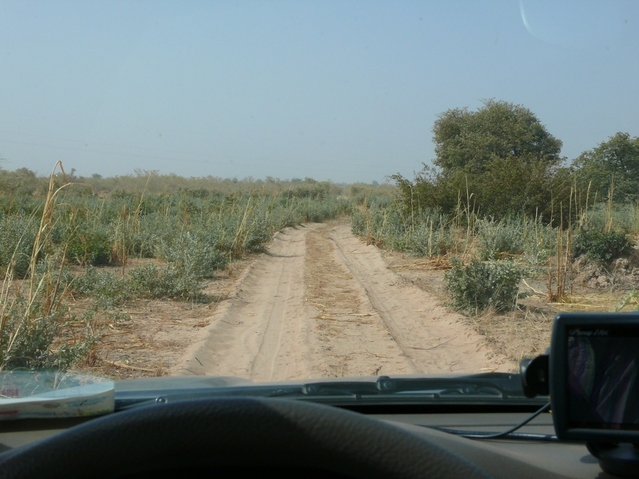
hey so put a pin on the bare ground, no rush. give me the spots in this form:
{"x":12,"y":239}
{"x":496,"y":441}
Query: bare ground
{"x":322,"y":303}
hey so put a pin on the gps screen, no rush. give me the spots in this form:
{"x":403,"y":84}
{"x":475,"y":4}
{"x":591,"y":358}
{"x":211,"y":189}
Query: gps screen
{"x":602,"y":378}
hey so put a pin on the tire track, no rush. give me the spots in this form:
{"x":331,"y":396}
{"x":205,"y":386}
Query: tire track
{"x":348,"y":335}
{"x":434,"y":338}
{"x":320,"y":303}
{"x":261,"y":331}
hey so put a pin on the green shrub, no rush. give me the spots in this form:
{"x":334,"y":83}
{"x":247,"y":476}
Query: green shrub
{"x":624,"y":217}
{"x":539,"y":242}
{"x":601,"y":246}
{"x":90,"y":246}
{"x":33,"y":346}
{"x":422,"y":233}
{"x":497,"y":238}
{"x":194,"y":254}
{"x":106,"y":287}
{"x":35,"y":331}
{"x":481,"y":285}
{"x":358,"y":223}
{"x":428,"y":240}
{"x":169,"y":281}
{"x":153,"y":230}
{"x":17,"y":234}
{"x":257,"y":236}
{"x":195,"y":229}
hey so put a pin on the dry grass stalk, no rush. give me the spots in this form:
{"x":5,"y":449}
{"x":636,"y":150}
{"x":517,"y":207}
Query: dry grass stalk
{"x":240,"y":230}
{"x":561,"y":275}
{"x":611,"y":192}
{"x":43,"y":291}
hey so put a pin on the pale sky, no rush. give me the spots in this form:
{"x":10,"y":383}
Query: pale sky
{"x":339,"y":90}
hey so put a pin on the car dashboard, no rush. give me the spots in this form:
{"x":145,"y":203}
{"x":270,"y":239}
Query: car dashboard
{"x":534,"y":452}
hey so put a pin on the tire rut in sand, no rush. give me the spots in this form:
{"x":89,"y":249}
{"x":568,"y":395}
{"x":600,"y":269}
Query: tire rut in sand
{"x":261,"y":331}
{"x":321,"y":303}
{"x":433,"y":337}
{"x":348,"y":335}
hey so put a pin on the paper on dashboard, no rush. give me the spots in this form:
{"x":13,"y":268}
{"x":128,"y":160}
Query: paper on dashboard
{"x":53,"y":395}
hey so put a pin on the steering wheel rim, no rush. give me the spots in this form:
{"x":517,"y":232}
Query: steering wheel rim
{"x":236,"y":432}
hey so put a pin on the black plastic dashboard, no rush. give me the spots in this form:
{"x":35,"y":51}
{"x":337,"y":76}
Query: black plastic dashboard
{"x":499,"y":458}
{"x":513,"y":458}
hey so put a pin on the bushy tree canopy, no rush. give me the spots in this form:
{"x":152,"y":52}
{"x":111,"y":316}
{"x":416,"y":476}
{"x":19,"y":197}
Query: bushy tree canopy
{"x":21,"y":182}
{"x":613,"y":162}
{"x":471,"y":141}
{"x":498,"y":160}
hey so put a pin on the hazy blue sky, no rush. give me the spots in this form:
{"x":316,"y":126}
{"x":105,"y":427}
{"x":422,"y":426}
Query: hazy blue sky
{"x":340,"y":90}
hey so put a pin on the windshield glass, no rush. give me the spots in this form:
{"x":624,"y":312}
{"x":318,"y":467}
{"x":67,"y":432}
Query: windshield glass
{"x":285,"y":191}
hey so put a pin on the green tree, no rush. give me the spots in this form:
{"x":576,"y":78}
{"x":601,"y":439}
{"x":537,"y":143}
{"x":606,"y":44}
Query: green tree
{"x":21,"y":182}
{"x":614,"y":162}
{"x":498,"y":160}
{"x":471,"y":141}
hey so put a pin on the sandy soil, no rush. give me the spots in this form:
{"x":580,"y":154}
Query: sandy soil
{"x":321,"y":303}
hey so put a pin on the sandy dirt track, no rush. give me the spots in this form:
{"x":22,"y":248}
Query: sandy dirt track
{"x":321,"y":303}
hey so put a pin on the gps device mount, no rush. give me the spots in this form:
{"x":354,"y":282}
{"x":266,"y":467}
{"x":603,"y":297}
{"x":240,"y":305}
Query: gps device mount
{"x":614,"y":458}
{"x":591,"y":372}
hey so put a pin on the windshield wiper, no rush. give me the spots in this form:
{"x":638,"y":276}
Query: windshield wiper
{"x":495,"y":385}
{"x":502,"y":385}
{"x":480,"y":387}
{"x":132,"y":399}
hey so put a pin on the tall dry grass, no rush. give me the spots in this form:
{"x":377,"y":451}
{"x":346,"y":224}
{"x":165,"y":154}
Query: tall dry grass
{"x":33,"y":328}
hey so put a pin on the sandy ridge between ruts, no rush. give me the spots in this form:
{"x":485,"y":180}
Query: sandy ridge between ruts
{"x":321,"y":303}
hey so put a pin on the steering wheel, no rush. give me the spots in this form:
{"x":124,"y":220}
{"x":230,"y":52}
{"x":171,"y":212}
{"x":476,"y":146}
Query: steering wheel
{"x":235,"y":434}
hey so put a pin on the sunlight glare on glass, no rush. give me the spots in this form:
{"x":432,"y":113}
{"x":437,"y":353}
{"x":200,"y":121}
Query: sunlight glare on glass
{"x":573,"y":23}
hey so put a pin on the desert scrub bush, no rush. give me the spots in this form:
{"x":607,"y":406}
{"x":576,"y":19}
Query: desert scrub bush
{"x":33,"y":341}
{"x":318,"y":211}
{"x":256,"y":236}
{"x":623,"y":217}
{"x":626,"y":217}
{"x":499,"y":238}
{"x":90,"y":246}
{"x":36,"y":321}
{"x":36,"y":328}
{"x":422,"y":233}
{"x":168,"y":281}
{"x":539,"y":242}
{"x":17,"y":235}
{"x":110,"y":229}
{"x":20,"y":205}
{"x":601,"y":246}
{"x":150,"y":232}
{"x":481,"y":285}
{"x":388,"y":227}
{"x":432,"y":239}
{"x":359,"y":223}
{"x":193,"y":253}
{"x":107,"y":288}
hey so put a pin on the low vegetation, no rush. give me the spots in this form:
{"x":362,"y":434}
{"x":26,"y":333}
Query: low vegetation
{"x":57,"y":235}
{"x":488,"y":258}
{"x":481,"y":285}
{"x":499,"y":204}
{"x":602,"y":246}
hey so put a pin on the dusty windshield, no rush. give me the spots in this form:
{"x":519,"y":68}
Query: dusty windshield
{"x":295,"y":190}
